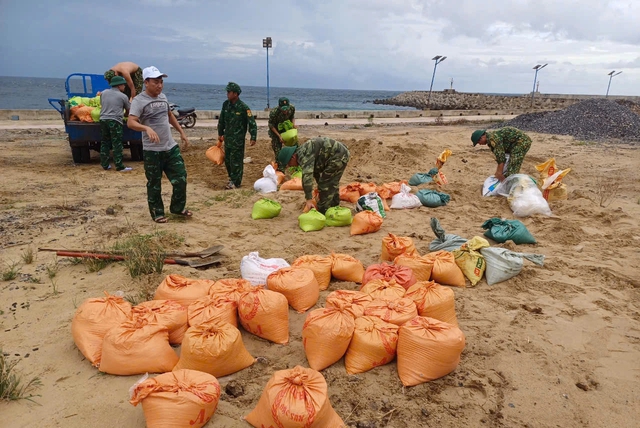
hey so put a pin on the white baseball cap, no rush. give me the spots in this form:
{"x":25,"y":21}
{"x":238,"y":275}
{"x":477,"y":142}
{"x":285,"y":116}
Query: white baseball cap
{"x":152,"y":73}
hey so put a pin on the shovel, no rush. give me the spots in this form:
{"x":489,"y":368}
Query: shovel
{"x":202,"y":254}
{"x":194,"y":264}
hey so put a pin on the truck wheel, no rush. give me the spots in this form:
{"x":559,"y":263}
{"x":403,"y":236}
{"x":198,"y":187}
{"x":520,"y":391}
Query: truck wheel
{"x":136,"y":152}
{"x":81,"y":154}
{"x":190,"y":122}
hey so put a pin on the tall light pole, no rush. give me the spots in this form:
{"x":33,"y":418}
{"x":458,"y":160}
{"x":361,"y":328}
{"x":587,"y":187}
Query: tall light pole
{"x":266,"y":43}
{"x":438,"y":59}
{"x":533,"y":91}
{"x":611,"y":76}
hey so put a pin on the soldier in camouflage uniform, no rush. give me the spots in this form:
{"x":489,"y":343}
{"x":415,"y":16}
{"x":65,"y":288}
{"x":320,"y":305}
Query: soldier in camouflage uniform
{"x":235,"y":117}
{"x":150,"y":114}
{"x":280,"y":119}
{"x":324,"y":160}
{"x":504,"y":141}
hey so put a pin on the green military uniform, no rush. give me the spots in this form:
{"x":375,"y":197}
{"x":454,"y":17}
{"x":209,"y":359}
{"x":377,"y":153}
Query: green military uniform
{"x":324,"y":160}
{"x":277,"y":118}
{"x":232,"y":124}
{"x":512,"y":141}
{"x":111,"y":138}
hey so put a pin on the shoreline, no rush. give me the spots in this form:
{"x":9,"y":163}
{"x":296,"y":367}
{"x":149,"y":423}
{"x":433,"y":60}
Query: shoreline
{"x":262,"y":123}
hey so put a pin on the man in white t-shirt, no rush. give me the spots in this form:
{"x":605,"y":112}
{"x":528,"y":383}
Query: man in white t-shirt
{"x":150,"y":113}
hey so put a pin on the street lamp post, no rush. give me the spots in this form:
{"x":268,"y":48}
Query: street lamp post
{"x":266,"y":43}
{"x":533,"y":91}
{"x":611,"y":76}
{"x":438,"y":59}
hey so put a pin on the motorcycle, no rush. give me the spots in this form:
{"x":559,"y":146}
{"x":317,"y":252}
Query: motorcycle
{"x":186,"y":117}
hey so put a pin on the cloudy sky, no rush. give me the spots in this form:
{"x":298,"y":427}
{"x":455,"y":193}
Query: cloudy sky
{"x":491,"y":45}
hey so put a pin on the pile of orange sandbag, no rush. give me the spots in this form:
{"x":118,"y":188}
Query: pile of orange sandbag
{"x":352,"y":191}
{"x":365,"y":326}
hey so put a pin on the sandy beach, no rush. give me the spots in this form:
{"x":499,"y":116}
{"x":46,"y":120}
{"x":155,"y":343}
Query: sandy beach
{"x":556,"y":346}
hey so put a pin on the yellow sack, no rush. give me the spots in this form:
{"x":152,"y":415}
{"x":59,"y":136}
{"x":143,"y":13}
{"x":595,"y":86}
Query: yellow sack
{"x":550,"y":179}
{"x":444,"y":156}
{"x":469,"y":259}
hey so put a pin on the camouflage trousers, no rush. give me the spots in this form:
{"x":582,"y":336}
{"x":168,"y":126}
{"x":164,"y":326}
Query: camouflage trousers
{"x":111,"y":136}
{"x":276,"y":145}
{"x":233,"y":160}
{"x":136,"y":78}
{"x":171,"y":163}
{"x":328,"y":181}
{"x":516,"y":157}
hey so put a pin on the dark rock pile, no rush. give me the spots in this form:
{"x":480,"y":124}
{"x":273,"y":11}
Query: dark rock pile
{"x":591,"y":120}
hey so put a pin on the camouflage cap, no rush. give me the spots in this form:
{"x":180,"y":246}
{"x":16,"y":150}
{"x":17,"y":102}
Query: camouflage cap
{"x":477,"y":134}
{"x":108,"y":75}
{"x":284,"y":103}
{"x":233,"y":87}
{"x":285,"y":155}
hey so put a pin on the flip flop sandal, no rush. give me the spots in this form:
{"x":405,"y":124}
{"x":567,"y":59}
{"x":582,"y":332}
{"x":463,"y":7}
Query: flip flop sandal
{"x":185,"y":213}
{"x":162,"y":219}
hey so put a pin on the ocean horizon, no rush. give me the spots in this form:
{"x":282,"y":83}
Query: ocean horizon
{"x":18,"y":93}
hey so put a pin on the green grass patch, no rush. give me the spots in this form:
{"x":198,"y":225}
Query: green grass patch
{"x":13,"y":386}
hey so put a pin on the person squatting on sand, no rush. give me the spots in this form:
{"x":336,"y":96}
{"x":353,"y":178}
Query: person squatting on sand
{"x":322,"y":159}
{"x":132,"y":74}
{"x":502,"y":142}
{"x":281,"y":119}
{"x":150,"y":113}
{"x":235,"y":117}
{"x":112,"y":105}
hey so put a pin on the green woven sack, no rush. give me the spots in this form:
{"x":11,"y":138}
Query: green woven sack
{"x":433,"y":198}
{"x":312,"y":220}
{"x":503,"y":230}
{"x":295,"y":171}
{"x":265,"y":208}
{"x":338,"y":216}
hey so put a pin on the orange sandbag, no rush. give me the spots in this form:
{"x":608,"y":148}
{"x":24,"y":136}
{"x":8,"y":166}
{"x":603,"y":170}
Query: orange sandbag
{"x":373,"y":344}
{"x":433,"y":301}
{"x":387,"y":190}
{"x":367,"y":188}
{"x":445,"y":270}
{"x":350,"y":192}
{"x":385,"y":290}
{"x":346,"y":268}
{"x":82,"y":113}
{"x":184,"y":398}
{"x":326,"y":334}
{"x":183,"y":290}
{"x":265,"y":313}
{"x":93,"y":319}
{"x":214,"y":348}
{"x":220,"y":309}
{"x":427,"y":349}
{"x":421,"y":266}
{"x":293,"y":184}
{"x":137,"y":346}
{"x":396,"y":312}
{"x":321,"y":267}
{"x":293,"y":398}
{"x":393,"y":246}
{"x":355,"y":301}
{"x":365,"y":222}
{"x":297,"y":284}
{"x":169,"y":313}
{"x":215,"y":154}
{"x":401,"y":274}
{"x":231,"y":288}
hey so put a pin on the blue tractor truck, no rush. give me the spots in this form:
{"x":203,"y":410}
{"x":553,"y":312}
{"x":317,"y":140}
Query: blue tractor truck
{"x":85,"y":136}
